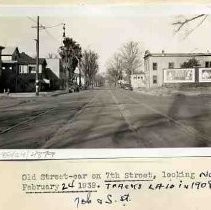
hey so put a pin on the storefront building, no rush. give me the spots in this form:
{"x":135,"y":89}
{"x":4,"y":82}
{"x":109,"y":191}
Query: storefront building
{"x":166,"y":68}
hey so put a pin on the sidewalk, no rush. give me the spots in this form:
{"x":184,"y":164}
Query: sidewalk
{"x":163,"y":91}
{"x":32,"y":94}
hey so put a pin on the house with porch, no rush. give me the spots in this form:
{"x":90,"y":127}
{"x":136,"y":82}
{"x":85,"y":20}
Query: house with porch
{"x":19,"y":71}
{"x":1,"y":48}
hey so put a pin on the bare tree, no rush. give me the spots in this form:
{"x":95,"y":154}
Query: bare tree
{"x":114,"y":69}
{"x":89,"y":65}
{"x":50,"y":55}
{"x":53,"y":56}
{"x":132,"y":58}
{"x":99,"y":80}
{"x":183,"y":22}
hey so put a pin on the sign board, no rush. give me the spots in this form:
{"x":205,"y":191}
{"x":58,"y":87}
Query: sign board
{"x":179,"y":75}
{"x":205,"y":75}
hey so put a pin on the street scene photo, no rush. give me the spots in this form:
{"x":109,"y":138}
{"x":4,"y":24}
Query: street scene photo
{"x":105,"y":77}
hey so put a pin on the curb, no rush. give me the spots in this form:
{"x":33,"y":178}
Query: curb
{"x":174,"y":93}
{"x":32,"y":95}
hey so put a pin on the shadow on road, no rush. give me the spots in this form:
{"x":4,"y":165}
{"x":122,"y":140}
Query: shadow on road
{"x":194,"y":110}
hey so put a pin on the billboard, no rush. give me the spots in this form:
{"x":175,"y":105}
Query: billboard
{"x":179,"y":75}
{"x":205,"y":75}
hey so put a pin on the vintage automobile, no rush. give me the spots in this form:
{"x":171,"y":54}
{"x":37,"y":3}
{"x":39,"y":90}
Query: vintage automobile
{"x":74,"y":88}
{"x":126,"y":86}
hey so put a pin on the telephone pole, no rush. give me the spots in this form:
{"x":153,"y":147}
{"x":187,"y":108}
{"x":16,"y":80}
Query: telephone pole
{"x":38,"y":27}
{"x":66,"y":61}
{"x":37,"y":58}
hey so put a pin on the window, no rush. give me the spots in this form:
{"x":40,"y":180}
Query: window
{"x":171,"y":65}
{"x":154,"y":66}
{"x":32,"y":69}
{"x":154,"y":79}
{"x":40,"y":69}
{"x":207,"y":64}
{"x":23,"y":69}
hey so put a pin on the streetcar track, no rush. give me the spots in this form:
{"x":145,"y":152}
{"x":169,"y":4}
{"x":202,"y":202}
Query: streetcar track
{"x":16,"y":105}
{"x":125,"y":115}
{"x":26,"y":121}
{"x":37,"y":115}
{"x":67,"y":124}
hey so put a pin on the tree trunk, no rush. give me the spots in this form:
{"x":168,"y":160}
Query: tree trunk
{"x":129,"y":78}
{"x":67,"y":80}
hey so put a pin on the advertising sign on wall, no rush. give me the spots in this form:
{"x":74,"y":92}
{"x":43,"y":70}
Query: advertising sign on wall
{"x":205,"y":75}
{"x":179,"y":75}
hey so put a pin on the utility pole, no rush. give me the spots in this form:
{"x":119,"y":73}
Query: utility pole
{"x":66,"y":61}
{"x":79,"y":66}
{"x":64,"y":31}
{"x":38,"y":27}
{"x":37,"y":58}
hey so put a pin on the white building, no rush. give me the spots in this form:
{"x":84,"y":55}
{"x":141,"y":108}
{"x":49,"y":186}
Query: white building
{"x":138,"y":80}
{"x":159,"y":66}
{"x":77,"y":74}
{"x":55,"y":66}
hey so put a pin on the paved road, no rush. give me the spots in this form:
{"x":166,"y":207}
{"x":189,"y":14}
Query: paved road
{"x":105,"y":118}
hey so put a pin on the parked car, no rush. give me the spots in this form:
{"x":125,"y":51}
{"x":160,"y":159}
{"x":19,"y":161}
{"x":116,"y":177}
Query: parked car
{"x":74,"y":88}
{"x":127,"y":87}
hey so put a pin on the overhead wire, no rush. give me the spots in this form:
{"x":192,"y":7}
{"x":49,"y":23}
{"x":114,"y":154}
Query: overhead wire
{"x":50,"y":35}
{"x":47,"y":27}
{"x":54,"y":25}
{"x":30,"y":18}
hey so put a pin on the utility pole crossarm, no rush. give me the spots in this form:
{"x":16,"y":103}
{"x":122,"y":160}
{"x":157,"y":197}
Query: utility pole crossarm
{"x":40,"y":27}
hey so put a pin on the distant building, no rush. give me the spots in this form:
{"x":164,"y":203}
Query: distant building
{"x":160,"y":68}
{"x":10,"y":53}
{"x":55,"y":73}
{"x":138,"y":80}
{"x":57,"y":76}
{"x":77,"y":76}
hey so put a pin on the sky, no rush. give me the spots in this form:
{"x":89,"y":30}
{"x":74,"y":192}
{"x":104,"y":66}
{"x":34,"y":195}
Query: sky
{"x":104,"y":29}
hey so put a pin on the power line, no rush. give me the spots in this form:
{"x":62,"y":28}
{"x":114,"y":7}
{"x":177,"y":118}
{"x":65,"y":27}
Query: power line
{"x":32,"y":19}
{"x":54,"y":25}
{"x":49,"y":34}
{"x":45,"y":27}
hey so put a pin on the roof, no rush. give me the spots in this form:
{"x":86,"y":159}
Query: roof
{"x":148,"y":54}
{"x":138,"y":73}
{"x":9,"y":50}
{"x":42,"y":61}
{"x":9,"y":61}
{"x":26,"y":59}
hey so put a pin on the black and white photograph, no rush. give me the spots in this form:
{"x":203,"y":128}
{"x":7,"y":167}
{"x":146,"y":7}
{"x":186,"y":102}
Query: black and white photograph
{"x":118,"y":76}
